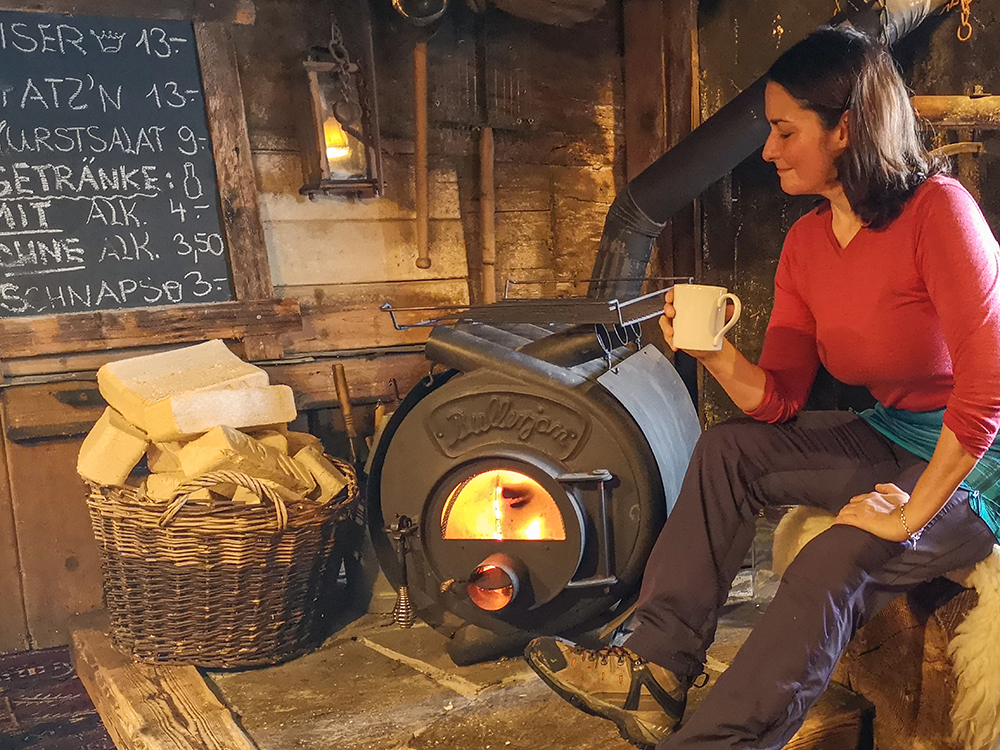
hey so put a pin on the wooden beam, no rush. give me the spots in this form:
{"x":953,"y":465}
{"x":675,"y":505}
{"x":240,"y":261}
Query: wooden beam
{"x":681,"y":24}
{"x":981,"y":112}
{"x":647,"y":102}
{"x":659,"y":78}
{"x":67,"y":367}
{"x":225,"y":11}
{"x":323,"y":331}
{"x":233,"y":165}
{"x":237,"y":181}
{"x":645,"y":84}
{"x":154,"y":707}
{"x":96,"y":331}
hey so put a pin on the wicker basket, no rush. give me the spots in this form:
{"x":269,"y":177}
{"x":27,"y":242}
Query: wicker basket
{"x":217,"y":584}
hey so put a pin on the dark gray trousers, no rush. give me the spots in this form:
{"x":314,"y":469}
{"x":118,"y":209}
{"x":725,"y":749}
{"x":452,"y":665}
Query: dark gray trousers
{"x":835,"y":584}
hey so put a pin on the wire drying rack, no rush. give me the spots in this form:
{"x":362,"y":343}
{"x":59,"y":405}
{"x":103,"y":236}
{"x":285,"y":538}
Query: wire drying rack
{"x":543,"y":311}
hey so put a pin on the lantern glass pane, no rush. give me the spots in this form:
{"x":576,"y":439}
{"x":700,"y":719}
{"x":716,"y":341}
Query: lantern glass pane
{"x":345,"y":155}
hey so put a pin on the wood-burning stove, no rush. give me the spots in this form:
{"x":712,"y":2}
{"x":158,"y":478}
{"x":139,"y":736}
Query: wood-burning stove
{"x":520,"y":491}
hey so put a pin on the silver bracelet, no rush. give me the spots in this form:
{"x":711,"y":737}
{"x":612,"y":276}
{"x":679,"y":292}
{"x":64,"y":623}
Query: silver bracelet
{"x":913,"y":536}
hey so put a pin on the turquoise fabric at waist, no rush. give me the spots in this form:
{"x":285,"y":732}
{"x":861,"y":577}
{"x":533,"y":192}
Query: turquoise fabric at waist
{"x":918,"y":432}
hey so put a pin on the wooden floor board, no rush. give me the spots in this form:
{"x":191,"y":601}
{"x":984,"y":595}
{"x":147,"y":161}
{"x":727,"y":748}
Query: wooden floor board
{"x":153,"y":707}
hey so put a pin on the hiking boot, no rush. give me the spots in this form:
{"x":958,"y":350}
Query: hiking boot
{"x":610,"y":683}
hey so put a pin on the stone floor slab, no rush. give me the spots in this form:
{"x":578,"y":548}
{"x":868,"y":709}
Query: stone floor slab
{"x":344,"y":696}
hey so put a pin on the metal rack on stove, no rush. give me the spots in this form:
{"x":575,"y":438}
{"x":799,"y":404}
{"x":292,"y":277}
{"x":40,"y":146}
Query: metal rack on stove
{"x":544,"y":311}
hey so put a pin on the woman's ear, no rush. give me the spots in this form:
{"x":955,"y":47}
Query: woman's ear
{"x":841,"y":135}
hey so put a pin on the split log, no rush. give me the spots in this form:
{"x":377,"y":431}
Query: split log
{"x":899,"y":661}
{"x":839,"y":720}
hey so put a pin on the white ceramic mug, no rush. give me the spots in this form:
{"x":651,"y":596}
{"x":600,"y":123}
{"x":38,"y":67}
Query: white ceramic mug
{"x":700,"y":322}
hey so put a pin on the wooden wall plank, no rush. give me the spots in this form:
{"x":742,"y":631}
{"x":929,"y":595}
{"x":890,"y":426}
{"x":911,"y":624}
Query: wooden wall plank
{"x":443,"y":198}
{"x":225,"y":11}
{"x":332,"y":297}
{"x":13,"y":621}
{"x":72,"y":366}
{"x":155,"y":707}
{"x":84,"y":332}
{"x":382,"y":377}
{"x":60,"y":560}
{"x":51,"y":410}
{"x":647,"y":94}
{"x":326,"y":331}
{"x":356,"y":252}
{"x":334,"y":317}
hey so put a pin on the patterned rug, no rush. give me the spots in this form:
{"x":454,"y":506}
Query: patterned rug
{"x":44,"y":706}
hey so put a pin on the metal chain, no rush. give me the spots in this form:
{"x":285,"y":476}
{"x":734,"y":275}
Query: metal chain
{"x":345,"y":109}
{"x":964,"y":27}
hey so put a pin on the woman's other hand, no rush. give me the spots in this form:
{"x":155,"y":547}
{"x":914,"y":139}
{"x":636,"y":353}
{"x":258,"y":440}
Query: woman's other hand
{"x":877,"y":512}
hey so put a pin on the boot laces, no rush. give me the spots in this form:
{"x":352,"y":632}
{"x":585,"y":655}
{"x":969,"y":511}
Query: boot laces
{"x":619,"y":653}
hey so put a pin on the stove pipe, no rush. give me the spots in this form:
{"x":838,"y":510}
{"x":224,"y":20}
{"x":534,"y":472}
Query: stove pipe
{"x":641,"y":210}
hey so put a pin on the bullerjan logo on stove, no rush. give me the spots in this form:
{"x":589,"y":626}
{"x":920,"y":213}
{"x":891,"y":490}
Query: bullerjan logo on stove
{"x":472,"y":420}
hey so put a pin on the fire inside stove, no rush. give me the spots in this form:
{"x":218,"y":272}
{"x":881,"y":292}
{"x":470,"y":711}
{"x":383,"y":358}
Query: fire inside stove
{"x":503,"y":505}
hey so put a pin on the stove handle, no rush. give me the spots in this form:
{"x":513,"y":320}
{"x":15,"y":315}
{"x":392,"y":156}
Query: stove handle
{"x":600,"y":476}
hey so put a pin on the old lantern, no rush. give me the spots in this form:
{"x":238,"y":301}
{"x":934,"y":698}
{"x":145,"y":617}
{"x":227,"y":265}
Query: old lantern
{"x":346,"y":158}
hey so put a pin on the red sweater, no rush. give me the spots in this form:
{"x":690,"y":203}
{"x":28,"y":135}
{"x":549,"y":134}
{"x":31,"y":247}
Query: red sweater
{"x":912,"y":312}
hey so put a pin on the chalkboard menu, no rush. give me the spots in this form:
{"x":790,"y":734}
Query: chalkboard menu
{"x":108,"y":194}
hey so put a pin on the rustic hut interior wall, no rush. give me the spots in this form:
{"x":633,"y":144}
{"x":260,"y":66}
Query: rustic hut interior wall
{"x":574,"y":99}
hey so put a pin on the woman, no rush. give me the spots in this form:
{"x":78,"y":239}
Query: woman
{"x":891,"y":283}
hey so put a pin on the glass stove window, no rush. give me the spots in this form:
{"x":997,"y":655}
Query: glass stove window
{"x":501,"y":504}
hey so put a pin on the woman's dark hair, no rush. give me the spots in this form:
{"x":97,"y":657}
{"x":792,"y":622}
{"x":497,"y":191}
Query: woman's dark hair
{"x":839,"y":69}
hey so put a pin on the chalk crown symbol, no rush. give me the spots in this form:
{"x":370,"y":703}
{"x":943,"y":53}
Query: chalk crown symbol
{"x":110,"y":41}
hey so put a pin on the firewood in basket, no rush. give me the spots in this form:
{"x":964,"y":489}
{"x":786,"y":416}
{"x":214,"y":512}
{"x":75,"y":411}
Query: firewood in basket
{"x":111,"y":449}
{"x":225,"y":449}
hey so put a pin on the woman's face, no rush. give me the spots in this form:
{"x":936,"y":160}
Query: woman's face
{"x":799,"y":145}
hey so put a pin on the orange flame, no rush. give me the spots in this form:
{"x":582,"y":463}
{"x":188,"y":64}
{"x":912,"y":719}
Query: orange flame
{"x":500,"y":504}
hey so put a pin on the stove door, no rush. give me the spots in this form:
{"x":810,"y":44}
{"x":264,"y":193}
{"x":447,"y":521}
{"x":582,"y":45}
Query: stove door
{"x":503,"y":505}
{"x":511,"y":508}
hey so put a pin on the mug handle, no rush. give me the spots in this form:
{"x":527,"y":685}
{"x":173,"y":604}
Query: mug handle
{"x":732,"y":321}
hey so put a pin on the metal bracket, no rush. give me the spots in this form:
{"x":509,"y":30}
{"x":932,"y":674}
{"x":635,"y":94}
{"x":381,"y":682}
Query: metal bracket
{"x":600,"y":476}
{"x":401,"y":528}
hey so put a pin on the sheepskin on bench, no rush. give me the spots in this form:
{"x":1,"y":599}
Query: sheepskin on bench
{"x":973,"y":649}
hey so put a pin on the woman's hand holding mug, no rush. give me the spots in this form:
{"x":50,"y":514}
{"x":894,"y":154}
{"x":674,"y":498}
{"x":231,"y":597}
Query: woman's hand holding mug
{"x":696,"y":318}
